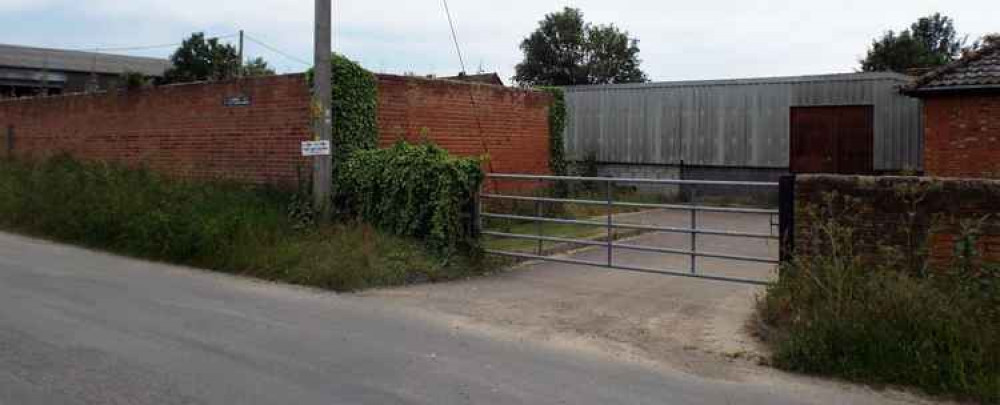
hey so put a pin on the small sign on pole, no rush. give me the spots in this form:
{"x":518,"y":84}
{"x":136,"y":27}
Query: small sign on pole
{"x":315,"y":148}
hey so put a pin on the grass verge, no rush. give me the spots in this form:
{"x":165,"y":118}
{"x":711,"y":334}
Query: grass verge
{"x":219,"y":226}
{"x":592,"y":212}
{"x":834,"y":313}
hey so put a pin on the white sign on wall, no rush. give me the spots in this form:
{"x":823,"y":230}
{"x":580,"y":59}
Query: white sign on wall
{"x":315,"y":148}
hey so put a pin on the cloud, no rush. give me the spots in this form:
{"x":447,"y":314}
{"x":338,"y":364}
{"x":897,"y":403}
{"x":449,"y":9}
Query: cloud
{"x":14,"y":6}
{"x":693,"y":40}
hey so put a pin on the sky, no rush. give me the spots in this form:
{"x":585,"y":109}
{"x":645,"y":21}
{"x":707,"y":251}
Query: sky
{"x":679,"y":40}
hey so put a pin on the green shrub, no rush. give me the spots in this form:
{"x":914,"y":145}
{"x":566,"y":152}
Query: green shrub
{"x":219,"y":226}
{"x":411,"y":190}
{"x":889,"y":322}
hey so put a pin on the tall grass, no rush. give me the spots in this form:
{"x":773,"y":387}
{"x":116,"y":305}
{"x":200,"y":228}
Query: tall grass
{"x":220,"y":226}
{"x":887,"y":322}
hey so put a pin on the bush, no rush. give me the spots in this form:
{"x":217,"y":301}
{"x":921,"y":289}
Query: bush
{"x":411,"y":190}
{"x":887,"y":322}
{"x":219,"y":226}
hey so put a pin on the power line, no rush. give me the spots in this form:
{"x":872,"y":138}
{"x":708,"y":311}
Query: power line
{"x":276,"y":50}
{"x":144,"y":47}
{"x":454,"y":36}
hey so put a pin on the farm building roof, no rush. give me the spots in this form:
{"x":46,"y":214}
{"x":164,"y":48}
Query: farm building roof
{"x":977,"y":71}
{"x":16,"y":56}
{"x":824,"y":78}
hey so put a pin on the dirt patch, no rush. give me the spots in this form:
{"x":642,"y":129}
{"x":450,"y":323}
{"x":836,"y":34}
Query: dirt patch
{"x":665,"y":322}
{"x":628,"y":315}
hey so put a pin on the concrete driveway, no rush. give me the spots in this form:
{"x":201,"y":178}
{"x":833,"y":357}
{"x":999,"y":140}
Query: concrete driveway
{"x":79,"y":327}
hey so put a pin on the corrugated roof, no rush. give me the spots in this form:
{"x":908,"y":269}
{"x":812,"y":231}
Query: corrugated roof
{"x":980,"y":70}
{"x":16,"y":56}
{"x":900,"y":78}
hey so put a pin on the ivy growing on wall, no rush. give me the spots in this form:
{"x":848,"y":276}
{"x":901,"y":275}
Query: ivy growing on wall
{"x":557,"y":125}
{"x":355,"y":103}
{"x":417,"y":190}
{"x":420,"y":191}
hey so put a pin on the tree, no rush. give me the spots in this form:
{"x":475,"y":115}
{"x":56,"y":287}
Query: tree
{"x":986,"y":41}
{"x":131,"y":80}
{"x":929,"y":42}
{"x":200,"y":59}
{"x":566,"y":50}
{"x":257,"y":67}
{"x":936,"y":33}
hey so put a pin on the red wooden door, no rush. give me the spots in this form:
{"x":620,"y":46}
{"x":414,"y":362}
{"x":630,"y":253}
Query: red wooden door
{"x":832,"y":139}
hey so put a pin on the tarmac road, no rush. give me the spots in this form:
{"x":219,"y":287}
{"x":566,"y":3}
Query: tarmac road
{"x":81,"y":327}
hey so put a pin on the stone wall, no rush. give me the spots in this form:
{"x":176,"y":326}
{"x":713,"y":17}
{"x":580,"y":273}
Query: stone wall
{"x":899,"y":211}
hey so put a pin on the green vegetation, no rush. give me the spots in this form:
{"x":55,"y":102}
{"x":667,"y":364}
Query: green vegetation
{"x":355,"y":104}
{"x":200,"y":59}
{"x":557,"y":125}
{"x":547,"y":229}
{"x":897,"y":321}
{"x":226,"y":227}
{"x":565,"y":50}
{"x":420,"y":191}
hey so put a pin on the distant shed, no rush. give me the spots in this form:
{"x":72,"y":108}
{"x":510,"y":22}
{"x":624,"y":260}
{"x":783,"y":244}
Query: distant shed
{"x":847,"y":123}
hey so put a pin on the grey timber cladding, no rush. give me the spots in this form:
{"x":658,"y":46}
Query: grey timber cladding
{"x":735,"y":123}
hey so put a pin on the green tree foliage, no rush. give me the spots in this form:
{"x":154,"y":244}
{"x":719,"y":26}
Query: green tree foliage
{"x":200,"y":59}
{"x":257,"y":67}
{"x":930,"y":42}
{"x":566,"y":50}
{"x":130,"y":80}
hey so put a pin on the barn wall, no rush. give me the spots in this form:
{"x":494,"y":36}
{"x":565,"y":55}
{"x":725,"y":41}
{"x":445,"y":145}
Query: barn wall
{"x":731,"y":123}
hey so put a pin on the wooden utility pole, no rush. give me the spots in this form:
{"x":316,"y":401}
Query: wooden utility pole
{"x":322,"y":99}
{"x":239,"y":71}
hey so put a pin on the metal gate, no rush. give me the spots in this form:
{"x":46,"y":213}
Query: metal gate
{"x":610,"y":223}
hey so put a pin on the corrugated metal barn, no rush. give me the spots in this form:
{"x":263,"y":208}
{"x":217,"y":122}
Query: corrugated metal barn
{"x":846,"y":123}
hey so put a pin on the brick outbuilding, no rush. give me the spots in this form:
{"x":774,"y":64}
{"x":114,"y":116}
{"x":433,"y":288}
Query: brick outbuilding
{"x":961,"y":115}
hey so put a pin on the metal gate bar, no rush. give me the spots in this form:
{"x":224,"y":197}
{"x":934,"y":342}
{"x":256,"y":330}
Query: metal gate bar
{"x":633,"y":204}
{"x":640,"y":248}
{"x":610,"y":225}
{"x":633,"y":226}
{"x":628,"y":268}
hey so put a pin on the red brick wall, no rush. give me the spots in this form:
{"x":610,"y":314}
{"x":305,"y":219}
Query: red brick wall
{"x":186,"y":131}
{"x":509,"y":125}
{"x":962,"y":135}
{"x":182,"y":130}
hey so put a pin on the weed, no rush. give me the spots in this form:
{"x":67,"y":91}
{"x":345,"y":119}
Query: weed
{"x":216,"y":225}
{"x":895,"y":321}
